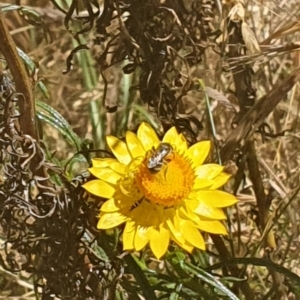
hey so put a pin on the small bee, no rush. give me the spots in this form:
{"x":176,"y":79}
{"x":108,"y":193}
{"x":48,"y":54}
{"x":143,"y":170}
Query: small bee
{"x":159,"y":156}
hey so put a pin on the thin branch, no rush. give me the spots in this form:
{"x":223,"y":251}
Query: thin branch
{"x":257,"y":114}
{"x":22,"y":81}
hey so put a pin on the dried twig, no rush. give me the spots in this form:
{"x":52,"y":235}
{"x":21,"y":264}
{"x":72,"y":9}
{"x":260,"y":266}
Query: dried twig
{"x":23,"y":84}
{"x":257,"y":114}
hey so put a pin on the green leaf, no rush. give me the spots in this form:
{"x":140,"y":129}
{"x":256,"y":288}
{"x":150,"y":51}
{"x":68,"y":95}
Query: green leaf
{"x":48,"y":114}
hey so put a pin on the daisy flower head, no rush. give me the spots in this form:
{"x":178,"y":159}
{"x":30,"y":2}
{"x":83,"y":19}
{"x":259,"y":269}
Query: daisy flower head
{"x":160,"y":190}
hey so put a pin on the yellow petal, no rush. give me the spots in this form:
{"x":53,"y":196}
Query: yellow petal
{"x":181,"y":144}
{"x":128,"y":189}
{"x":111,"y":220}
{"x":184,"y":245}
{"x":111,"y":163}
{"x":177,"y":140}
{"x":102,"y":162}
{"x":175,"y":231}
{"x":141,"y":238}
{"x":106,"y":174}
{"x":109,"y":206}
{"x":177,"y":236}
{"x":171,"y":136}
{"x":159,"y":241}
{"x":128,"y":235}
{"x":189,"y":215}
{"x":118,"y":167}
{"x":198,"y":152}
{"x":214,"y":227}
{"x":99,"y":188}
{"x":201,"y":183}
{"x":126,"y":202}
{"x":205,"y":210}
{"x":216,"y":198}
{"x":147,"y":136}
{"x":192,"y":234}
{"x":134,"y":145}
{"x":220,"y":180}
{"x":119,"y":149}
{"x":148,"y":214}
{"x":208,"y":171}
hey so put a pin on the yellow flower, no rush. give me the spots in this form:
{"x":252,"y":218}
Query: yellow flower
{"x":161,"y":190}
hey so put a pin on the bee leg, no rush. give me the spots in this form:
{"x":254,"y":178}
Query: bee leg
{"x":165,"y":170}
{"x":136,"y":204}
{"x":170,"y":157}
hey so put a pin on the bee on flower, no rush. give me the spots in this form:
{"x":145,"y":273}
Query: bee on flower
{"x":159,"y":156}
{"x":160,"y":190}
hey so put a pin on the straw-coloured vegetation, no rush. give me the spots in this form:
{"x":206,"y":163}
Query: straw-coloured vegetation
{"x":149,"y":149}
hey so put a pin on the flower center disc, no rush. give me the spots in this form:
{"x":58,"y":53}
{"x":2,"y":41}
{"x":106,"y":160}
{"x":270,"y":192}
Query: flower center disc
{"x":170,"y":185}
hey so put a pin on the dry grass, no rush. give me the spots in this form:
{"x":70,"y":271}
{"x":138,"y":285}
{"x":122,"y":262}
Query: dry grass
{"x":264,"y":227}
